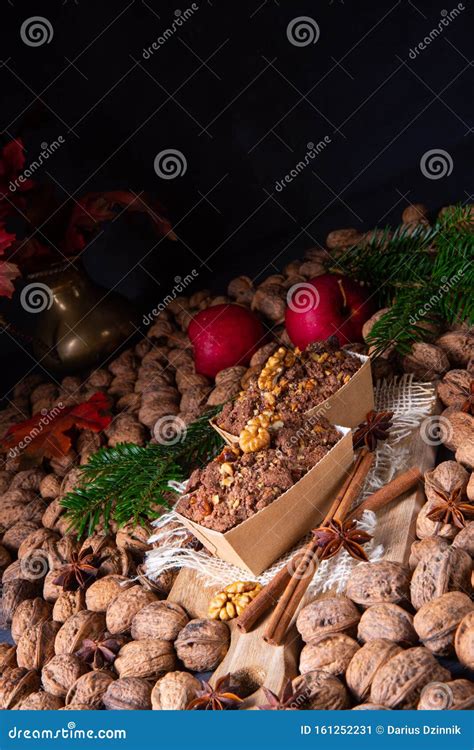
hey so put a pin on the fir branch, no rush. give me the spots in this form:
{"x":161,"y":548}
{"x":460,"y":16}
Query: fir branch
{"x":424,"y":275}
{"x":129,"y":482}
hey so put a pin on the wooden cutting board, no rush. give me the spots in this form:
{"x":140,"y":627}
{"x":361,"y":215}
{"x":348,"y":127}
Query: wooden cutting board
{"x":255,"y":663}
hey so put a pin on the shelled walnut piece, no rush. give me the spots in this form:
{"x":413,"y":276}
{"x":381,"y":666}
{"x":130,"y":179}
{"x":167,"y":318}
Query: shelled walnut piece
{"x":232,"y":601}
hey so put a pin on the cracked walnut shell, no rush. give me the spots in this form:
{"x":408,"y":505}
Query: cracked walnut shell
{"x":148,"y":658}
{"x":174,"y":691}
{"x":379,"y":583}
{"x":159,"y":620}
{"x":366,"y":662}
{"x":439,"y":572}
{"x":399,"y":682}
{"x":324,"y":617}
{"x":436,"y":621}
{"x":128,"y":694}
{"x":82,"y":625}
{"x":30,"y":612}
{"x":61,"y":672}
{"x":36,"y":645}
{"x":464,"y":641}
{"x":202,"y":644}
{"x":16,"y":683}
{"x":330,"y":654}
{"x":124,"y":607}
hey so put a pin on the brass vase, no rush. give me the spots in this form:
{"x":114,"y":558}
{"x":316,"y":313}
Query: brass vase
{"x":78,"y":324}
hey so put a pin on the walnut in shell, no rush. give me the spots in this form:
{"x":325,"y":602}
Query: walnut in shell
{"x":202,"y":644}
{"x":330,"y":654}
{"x":439,"y":572}
{"x":425,"y":548}
{"x":399,"y":682}
{"x":40,"y":701}
{"x":61,"y":672}
{"x":336,"y":614}
{"x":149,"y":658}
{"x":5,"y":558}
{"x":50,"y":487}
{"x":453,"y":390}
{"x":388,"y":621}
{"x":104,"y":590}
{"x":7,"y":656}
{"x":457,"y":695}
{"x":436,"y":621}
{"x":426,"y":361}
{"x":36,"y":645}
{"x":17,"y":533}
{"x":378,"y":583}
{"x":124,"y":607}
{"x":458,"y":345}
{"x":465,"y":539}
{"x":174,"y":691}
{"x":128,"y":694}
{"x":321,"y":692}
{"x":82,"y":625}
{"x":15,"y":592}
{"x":134,"y":539}
{"x":89,"y":689}
{"x":464,"y":641}
{"x":16,"y":683}
{"x":67,"y":604}
{"x":30,"y":612}
{"x":365,"y":663}
{"x":161,"y":620}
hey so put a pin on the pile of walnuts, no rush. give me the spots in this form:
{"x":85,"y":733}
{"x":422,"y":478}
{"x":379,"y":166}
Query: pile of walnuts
{"x":119,"y":644}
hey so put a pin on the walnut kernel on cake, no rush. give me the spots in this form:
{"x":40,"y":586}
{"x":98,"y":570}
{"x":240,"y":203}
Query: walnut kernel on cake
{"x":235,"y":485}
{"x":295,"y":381}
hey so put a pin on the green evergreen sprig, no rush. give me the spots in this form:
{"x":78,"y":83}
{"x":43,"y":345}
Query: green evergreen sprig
{"x":129,"y":482}
{"x":425,"y":275}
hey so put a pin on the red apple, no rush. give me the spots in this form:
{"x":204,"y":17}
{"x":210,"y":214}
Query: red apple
{"x":328,"y":305}
{"x":224,"y":336}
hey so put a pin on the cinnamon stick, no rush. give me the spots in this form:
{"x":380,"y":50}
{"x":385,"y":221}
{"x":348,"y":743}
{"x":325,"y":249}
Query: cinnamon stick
{"x":385,"y":495}
{"x":269,"y":595}
{"x":298,"y":584}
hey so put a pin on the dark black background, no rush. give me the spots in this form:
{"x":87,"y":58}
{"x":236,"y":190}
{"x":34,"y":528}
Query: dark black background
{"x":241,"y":103}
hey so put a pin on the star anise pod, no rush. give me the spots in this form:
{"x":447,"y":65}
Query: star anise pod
{"x":452,"y":507}
{"x":468,"y":405}
{"x":374,"y":429}
{"x":221,"y":698}
{"x":101,"y":651}
{"x":80,"y":571}
{"x":289,"y":700}
{"x":336,"y":536}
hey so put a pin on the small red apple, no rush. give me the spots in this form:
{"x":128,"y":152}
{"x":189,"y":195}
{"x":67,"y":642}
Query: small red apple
{"x":328,"y":305}
{"x":224,"y":336}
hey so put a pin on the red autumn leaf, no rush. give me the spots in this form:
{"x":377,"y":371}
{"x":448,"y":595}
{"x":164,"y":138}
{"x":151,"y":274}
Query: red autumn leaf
{"x":8,"y":271}
{"x":94,"y":208}
{"x":46,"y":435}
